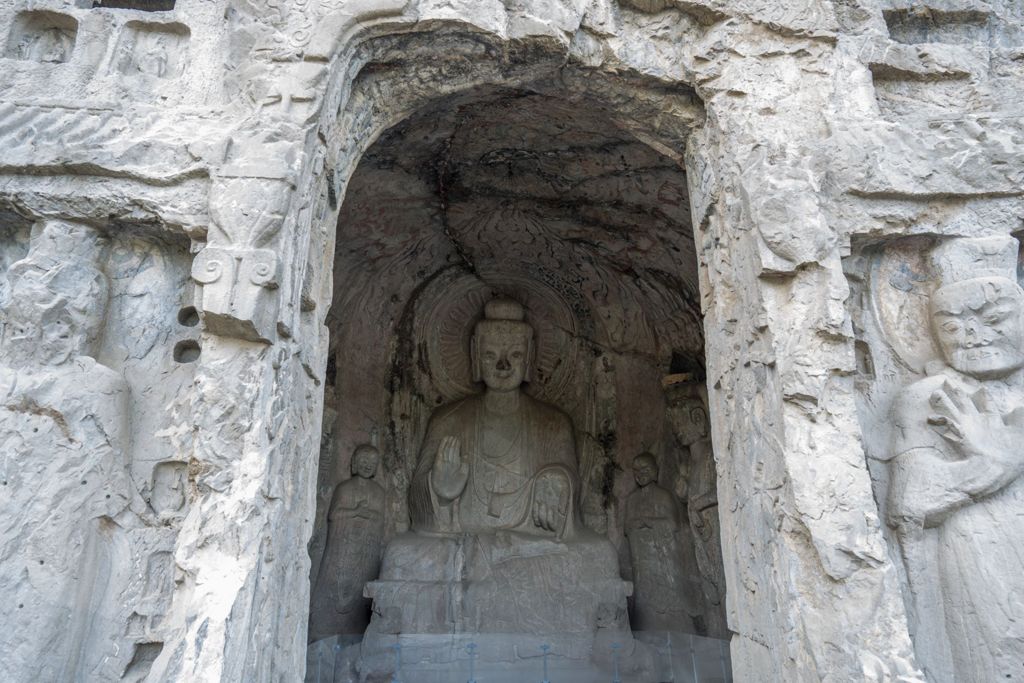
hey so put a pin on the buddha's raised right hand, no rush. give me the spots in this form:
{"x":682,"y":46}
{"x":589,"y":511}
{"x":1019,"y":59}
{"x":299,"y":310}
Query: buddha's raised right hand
{"x":450,"y":472}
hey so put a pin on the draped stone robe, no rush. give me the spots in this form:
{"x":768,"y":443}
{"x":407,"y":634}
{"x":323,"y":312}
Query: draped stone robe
{"x":62,"y":460}
{"x":964,"y":557}
{"x":355,"y":533}
{"x":480,"y":564}
{"x":664,"y":597}
{"x":499,"y":492}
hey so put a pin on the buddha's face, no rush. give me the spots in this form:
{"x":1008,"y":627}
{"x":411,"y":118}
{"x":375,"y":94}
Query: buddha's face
{"x":979,"y":325}
{"x":645,"y":470}
{"x":364,"y":464}
{"x":502,"y":359}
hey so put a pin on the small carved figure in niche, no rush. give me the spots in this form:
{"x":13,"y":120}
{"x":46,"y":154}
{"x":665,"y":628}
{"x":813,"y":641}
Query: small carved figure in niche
{"x":169,"y":492}
{"x":51,"y":46}
{"x":155,"y":50}
{"x":690,"y":427}
{"x":663,"y":598}
{"x":63,"y":441}
{"x":355,"y":530}
{"x":151,"y":54}
{"x":956,"y":497}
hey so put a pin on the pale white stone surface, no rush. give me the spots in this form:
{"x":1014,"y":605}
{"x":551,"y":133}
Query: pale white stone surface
{"x":818,"y":139}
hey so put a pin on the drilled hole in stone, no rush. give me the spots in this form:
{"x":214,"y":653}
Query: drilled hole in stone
{"x":187,"y":351}
{"x":188,"y":316}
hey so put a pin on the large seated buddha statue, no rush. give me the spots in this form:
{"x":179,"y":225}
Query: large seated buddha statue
{"x":496,"y":543}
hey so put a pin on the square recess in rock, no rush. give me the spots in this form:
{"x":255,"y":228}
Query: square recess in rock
{"x":42,"y":36}
{"x":141,"y":5}
{"x":154,"y":50}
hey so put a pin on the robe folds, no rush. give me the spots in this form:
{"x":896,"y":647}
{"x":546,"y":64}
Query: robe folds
{"x":499,"y":492}
{"x":964,"y":557}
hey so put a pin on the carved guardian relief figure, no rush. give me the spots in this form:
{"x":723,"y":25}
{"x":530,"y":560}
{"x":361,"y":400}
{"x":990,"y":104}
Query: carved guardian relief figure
{"x":63,"y":439}
{"x":956,"y":497}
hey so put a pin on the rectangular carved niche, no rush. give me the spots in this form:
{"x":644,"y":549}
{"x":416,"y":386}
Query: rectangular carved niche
{"x":913,"y":26}
{"x":41,"y":36}
{"x":142,"y":5}
{"x":154,"y":50}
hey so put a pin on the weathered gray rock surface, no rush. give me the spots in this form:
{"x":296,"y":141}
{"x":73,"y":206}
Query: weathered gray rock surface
{"x":242,"y":237}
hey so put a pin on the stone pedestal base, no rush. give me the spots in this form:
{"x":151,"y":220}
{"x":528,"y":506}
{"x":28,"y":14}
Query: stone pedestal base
{"x":646,"y":657}
{"x":503,"y":658}
{"x":498,"y":583}
{"x":507,"y":593}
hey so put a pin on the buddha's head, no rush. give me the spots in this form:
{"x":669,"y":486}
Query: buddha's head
{"x":502,"y":346}
{"x":645,"y":469}
{"x":977,"y":311}
{"x":365,"y":461}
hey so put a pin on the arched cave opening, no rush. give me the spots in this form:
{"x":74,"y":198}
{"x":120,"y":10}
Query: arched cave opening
{"x":513,"y":195}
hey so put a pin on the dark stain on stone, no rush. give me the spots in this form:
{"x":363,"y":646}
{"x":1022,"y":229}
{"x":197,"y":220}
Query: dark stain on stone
{"x":29,"y":406}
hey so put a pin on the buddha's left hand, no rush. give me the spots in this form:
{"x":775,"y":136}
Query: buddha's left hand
{"x":550,"y":502}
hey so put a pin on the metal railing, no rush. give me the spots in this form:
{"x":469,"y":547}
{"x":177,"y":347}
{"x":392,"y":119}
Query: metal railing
{"x":640,"y":657}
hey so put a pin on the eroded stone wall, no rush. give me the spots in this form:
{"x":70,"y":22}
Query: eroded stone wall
{"x":817,"y":128}
{"x":99,"y":340}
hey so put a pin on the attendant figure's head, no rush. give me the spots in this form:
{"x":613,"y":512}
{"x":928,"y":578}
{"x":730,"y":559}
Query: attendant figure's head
{"x":502,"y":347}
{"x":687,"y":415}
{"x":977,"y":311}
{"x":645,"y":469}
{"x":365,"y":460}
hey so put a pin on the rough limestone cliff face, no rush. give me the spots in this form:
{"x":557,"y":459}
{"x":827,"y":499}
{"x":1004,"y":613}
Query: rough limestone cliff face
{"x":786,"y":193}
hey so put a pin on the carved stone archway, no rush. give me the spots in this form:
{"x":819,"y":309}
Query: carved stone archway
{"x":756,"y":209}
{"x":240,"y":153}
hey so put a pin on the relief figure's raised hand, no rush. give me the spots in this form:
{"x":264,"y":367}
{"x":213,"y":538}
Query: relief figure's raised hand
{"x":973,"y":424}
{"x":451,"y":471}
